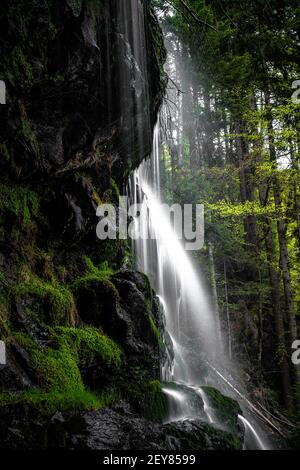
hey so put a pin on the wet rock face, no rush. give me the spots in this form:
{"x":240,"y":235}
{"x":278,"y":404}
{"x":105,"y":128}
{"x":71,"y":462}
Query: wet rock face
{"x":112,"y":429}
{"x":18,"y":372}
{"x":79,"y":104}
{"x":117,"y":429}
{"x":64,"y":67}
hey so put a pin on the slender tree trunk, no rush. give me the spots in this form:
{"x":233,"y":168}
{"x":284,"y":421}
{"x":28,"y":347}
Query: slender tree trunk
{"x":246,"y":185}
{"x":260,"y":324}
{"x":196,"y":157}
{"x":281,"y":229}
{"x":208,"y":145}
{"x":214,"y":291}
{"x":227,"y":145}
{"x":275,"y":284}
{"x":188,"y":122}
{"x":278,"y":315}
{"x":296,"y":211}
{"x":227,"y":314}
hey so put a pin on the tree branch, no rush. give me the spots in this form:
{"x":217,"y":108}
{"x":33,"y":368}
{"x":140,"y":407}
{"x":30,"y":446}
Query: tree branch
{"x":196,"y":17}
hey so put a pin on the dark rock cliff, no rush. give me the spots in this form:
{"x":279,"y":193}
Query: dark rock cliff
{"x":81,"y":327}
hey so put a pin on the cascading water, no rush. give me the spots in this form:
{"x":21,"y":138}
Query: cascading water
{"x":252,"y":439}
{"x":190,"y":322}
{"x":162,"y":257}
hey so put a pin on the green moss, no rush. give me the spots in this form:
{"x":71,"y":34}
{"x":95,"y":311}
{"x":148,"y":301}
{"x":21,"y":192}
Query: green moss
{"x":155,"y":331}
{"x":20,"y":201}
{"x":94,"y":273}
{"x":58,"y":365}
{"x":24,"y":340}
{"x":4,"y":306}
{"x":155,"y":401}
{"x":2,"y":278}
{"x":146,"y":397}
{"x":20,"y":68}
{"x":28,"y":135}
{"x":115,"y":188}
{"x":90,"y":343}
{"x":49,"y":402}
{"x":224,"y":407}
{"x":112,"y":195}
{"x":4,"y":323}
{"x":58,"y":369}
{"x":113,"y":251}
{"x":96,"y":198}
{"x":59,"y":297}
{"x":103,"y":271}
{"x":4,"y":152}
{"x":205,"y":437}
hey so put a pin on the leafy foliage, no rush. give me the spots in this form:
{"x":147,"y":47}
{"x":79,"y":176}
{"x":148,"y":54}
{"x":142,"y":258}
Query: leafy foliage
{"x":231,"y":142}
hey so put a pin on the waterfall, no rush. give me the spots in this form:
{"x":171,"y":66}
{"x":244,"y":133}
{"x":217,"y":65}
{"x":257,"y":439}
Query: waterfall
{"x":172,"y":274}
{"x":190,"y":322}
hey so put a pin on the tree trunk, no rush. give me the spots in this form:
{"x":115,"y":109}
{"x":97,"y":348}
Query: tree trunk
{"x":278,"y":315}
{"x":281,"y":229}
{"x":296,"y":211}
{"x":208,"y":145}
{"x":214,"y":292}
{"x":246,"y":185}
{"x":227,"y":314}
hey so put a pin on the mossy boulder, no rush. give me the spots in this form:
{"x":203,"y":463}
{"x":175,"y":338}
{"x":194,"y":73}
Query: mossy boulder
{"x":122,"y":305}
{"x":55,"y":301}
{"x":197,"y":435}
{"x":49,"y":355}
{"x":148,"y":399}
{"x":226,"y":410}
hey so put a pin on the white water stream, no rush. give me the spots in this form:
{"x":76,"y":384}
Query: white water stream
{"x":190,"y":320}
